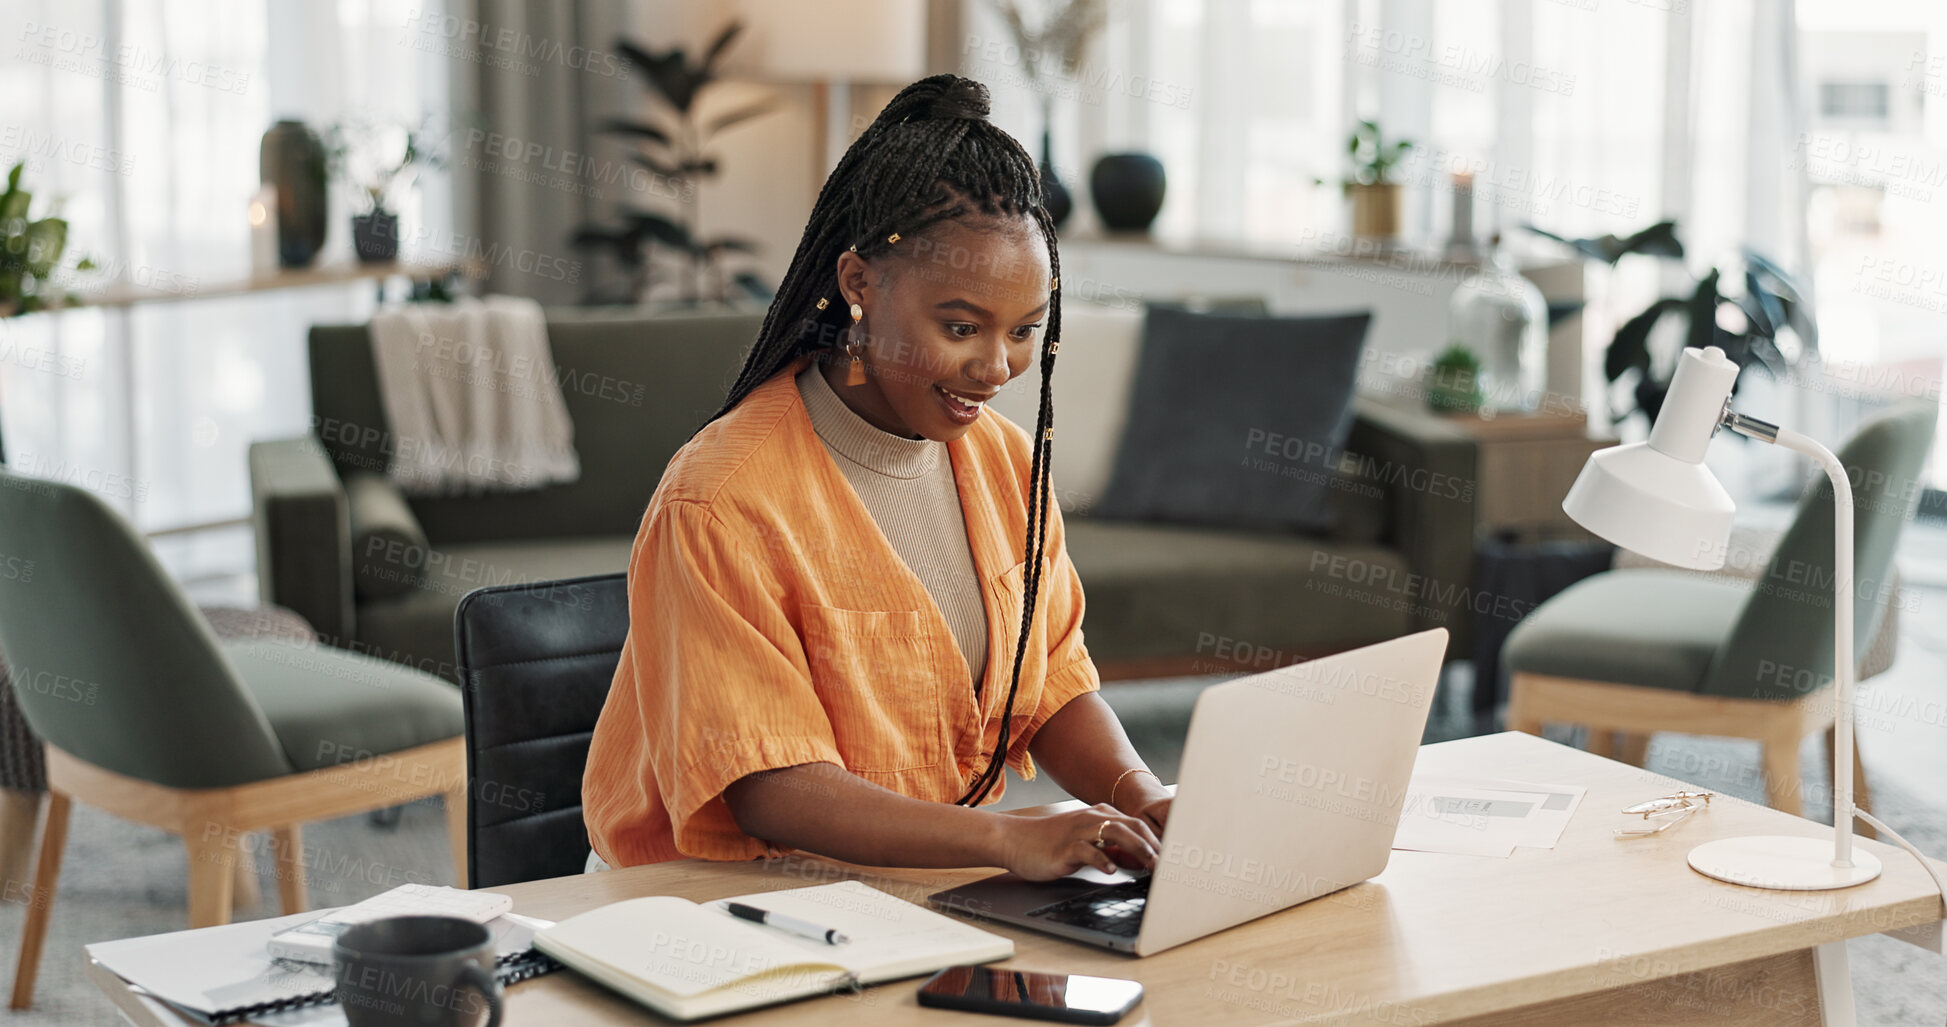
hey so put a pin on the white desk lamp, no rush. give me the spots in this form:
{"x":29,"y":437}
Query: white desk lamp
{"x":1658,"y":499}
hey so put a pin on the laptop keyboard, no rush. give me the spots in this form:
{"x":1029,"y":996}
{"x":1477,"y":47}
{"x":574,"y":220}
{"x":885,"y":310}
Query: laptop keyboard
{"x":1112,"y":909}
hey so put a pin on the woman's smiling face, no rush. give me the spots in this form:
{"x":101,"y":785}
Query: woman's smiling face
{"x":950,"y":317}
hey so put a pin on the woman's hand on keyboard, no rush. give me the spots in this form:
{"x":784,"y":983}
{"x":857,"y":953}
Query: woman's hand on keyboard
{"x":1047,"y":847}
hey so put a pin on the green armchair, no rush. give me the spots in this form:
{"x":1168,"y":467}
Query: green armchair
{"x":146,"y":714}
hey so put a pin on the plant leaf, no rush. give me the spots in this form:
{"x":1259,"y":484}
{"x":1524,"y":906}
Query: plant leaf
{"x":1769,"y":356}
{"x":666,"y":73}
{"x":46,"y":239}
{"x":1631,"y":346}
{"x":1658,"y":240}
{"x":754,"y":285}
{"x":717,"y":48}
{"x":1650,"y":394}
{"x":1797,"y":311}
{"x":1763,"y":309}
{"x":657,"y":165}
{"x":741,"y":114}
{"x":1703,"y":312}
{"x":641,"y":129}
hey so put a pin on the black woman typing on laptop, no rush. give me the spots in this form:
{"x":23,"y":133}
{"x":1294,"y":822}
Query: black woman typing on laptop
{"x":851,"y":605}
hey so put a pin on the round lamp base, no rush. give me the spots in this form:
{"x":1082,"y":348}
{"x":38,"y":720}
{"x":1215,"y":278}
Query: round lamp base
{"x":1782,"y":862}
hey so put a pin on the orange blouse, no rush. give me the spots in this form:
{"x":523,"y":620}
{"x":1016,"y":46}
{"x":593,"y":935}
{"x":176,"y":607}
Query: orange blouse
{"x":771,"y":624}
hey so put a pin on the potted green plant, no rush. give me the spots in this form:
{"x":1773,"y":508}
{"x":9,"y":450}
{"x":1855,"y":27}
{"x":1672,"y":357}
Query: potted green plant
{"x":1374,"y":194}
{"x":1454,"y":382}
{"x":30,"y":253}
{"x":674,"y":146}
{"x":381,"y":161}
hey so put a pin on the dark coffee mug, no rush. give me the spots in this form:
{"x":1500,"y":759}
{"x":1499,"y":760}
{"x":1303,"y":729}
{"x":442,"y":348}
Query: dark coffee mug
{"x":417,"y":971}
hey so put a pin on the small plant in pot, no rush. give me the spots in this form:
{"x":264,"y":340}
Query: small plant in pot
{"x":1453,"y":384}
{"x":1374,"y":194}
{"x":381,"y":161}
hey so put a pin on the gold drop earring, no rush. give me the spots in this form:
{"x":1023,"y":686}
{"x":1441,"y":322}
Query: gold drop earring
{"x":855,"y":373}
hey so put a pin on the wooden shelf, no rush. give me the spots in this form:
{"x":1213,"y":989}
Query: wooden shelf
{"x":1518,"y":425}
{"x":127,"y":294}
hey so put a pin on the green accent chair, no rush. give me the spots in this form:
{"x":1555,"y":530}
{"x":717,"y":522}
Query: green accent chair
{"x":146,"y":714}
{"x":1638,"y":651}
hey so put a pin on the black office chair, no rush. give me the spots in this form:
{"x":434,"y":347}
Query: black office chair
{"x":535,"y":663}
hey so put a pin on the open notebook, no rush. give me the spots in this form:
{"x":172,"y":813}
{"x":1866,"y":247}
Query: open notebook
{"x":686,"y":960}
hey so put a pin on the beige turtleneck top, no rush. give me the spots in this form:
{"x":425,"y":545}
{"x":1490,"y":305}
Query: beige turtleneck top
{"x":907,"y":485}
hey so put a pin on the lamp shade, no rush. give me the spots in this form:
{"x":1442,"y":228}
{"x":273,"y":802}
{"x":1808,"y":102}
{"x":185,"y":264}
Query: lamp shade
{"x":859,"y":41}
{"x":1657,"y":498}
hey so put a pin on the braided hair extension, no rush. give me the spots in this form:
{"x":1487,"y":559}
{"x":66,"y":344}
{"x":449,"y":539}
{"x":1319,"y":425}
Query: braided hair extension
{"x":930,"y":156}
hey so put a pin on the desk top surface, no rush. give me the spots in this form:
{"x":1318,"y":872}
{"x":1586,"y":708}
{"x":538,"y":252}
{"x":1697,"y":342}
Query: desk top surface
{"x":1435,"y":937}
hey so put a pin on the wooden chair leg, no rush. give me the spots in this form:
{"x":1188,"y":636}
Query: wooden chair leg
{"x":290,"y":868}
{"x":40,"y":902}
{"x":1781,"y":782}
{"x":212,"y":875}
{"x":245,"y":892}
{"x":1860,"y":797}
{"x":1518,"y":718}
{"x":1635,"y":749}
{"x":456,"y":833}
{"x":20,"y":813}
{"x":1602,"y":742}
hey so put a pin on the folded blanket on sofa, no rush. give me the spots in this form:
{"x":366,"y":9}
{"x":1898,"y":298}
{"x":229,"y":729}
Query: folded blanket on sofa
{"x":472,"y":397}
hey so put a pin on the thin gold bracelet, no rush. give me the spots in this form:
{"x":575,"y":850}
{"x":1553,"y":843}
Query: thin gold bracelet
{"x":1126,"y":773}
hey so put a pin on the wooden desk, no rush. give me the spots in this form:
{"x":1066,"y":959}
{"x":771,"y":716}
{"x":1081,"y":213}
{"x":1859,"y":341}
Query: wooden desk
{"x":1595,"y":930}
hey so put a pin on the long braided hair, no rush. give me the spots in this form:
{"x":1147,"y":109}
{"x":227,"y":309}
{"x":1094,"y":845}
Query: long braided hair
{"x":930,"y":156}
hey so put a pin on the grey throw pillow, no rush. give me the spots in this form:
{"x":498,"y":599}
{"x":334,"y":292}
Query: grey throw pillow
{"x":1237,"y":421}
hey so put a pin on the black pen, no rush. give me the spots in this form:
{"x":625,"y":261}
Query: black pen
{"x":801,"y":928}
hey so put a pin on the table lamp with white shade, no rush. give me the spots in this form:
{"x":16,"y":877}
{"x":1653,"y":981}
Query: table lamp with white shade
{"x":832,"y":44}
{"x":1658,"y":499}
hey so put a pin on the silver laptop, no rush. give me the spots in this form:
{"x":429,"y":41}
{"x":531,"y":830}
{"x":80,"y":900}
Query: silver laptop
{"x":1291,"y":787}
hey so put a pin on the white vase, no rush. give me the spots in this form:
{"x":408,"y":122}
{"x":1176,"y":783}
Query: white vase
{"x":1501,"y":316}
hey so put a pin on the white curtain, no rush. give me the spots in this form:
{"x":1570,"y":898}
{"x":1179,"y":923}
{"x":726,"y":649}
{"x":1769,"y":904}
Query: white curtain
{"x":143,"y":120}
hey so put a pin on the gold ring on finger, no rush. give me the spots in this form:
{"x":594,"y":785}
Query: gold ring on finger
{"x":1101,"y":842}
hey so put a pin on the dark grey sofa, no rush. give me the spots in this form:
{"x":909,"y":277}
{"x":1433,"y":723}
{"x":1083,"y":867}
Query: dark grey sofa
{"x":1162,"y":599}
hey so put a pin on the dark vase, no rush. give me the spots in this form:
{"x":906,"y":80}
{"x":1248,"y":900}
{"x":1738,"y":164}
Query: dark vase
{"x":293,"y":159}
{"x":375,"y":236}
{"x":1128,"y":190}
{"x":1054,"y":195}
